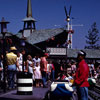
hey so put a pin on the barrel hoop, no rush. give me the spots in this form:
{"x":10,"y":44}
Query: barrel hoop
{"x":24,"y":81}
{"x":25,"y":89}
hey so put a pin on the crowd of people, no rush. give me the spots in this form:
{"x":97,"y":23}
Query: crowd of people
{"x":44,"y":70}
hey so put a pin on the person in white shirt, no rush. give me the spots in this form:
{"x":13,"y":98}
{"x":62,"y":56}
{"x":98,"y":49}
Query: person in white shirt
{"x":30,"y":65}
{"x":36,"y":59}
{"x":38,"y":76}
{"x":20,"y":61}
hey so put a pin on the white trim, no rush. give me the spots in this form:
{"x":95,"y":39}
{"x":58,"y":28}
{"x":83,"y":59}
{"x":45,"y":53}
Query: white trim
{"x":56,"y":51}
{"x":69,"y":88}
{"x":53,"y":87}
{"x":25,"y":81}
{"x":24,"y":89}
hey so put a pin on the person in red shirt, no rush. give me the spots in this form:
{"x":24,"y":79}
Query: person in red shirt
{"x":81,"y":77}
{"x":43,"y":68}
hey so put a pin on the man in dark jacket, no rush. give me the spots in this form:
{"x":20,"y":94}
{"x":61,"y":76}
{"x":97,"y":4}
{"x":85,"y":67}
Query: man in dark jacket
{"x":81,"y":78}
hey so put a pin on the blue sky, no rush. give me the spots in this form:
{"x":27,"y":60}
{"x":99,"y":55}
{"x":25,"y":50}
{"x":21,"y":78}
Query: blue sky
{"x":49,"y":13}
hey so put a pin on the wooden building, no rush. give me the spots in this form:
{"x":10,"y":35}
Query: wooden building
{"x":32,"y":40}
{"x":36,"y":41}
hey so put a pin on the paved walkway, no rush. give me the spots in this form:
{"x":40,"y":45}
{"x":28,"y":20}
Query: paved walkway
{"x":38,"y":94}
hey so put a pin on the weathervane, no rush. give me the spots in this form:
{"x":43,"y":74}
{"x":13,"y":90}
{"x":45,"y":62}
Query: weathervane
{"x":67,"y":16}
{"x":69,"y":30}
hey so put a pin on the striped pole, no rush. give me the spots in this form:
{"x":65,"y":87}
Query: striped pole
{"x":24,"y":84}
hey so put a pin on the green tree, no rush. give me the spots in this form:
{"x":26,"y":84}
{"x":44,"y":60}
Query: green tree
{"x":92,"y":37}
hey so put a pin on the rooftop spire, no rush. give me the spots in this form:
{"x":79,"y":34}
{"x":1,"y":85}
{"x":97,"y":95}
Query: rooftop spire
{"x":29,"y":21}
{"x":29,"y":9}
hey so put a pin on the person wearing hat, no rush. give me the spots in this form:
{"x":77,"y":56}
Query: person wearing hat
{"x":12,"y":65}
{"x":81,"y":76}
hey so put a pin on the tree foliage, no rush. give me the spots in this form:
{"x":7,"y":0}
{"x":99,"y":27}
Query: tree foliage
{"x":92,"y":37}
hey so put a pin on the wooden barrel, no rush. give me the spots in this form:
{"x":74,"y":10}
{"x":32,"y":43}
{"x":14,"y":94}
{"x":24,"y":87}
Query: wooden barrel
{"x":24,"y":83}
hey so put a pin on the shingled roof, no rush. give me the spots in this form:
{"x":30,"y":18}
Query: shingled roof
{"x":72,"y":53}
{"x":41,"y":35}
{"x":7,"y":34}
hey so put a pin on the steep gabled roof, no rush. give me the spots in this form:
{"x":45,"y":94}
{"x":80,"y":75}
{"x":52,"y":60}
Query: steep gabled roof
{"x":7,"y":34}
{"x":41,"y":35}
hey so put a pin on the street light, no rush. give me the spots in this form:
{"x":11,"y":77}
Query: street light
{"x":3,"y":32}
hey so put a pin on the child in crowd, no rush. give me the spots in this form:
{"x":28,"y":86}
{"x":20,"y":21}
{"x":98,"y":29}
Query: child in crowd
{"x":37,"y":74}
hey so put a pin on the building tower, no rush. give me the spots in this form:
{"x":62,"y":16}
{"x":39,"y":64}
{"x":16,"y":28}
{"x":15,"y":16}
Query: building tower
{"x":69,"y":28}
{"x":29,"y":21}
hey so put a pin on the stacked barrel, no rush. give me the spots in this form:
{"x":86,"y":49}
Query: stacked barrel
{"x":24,"y":83}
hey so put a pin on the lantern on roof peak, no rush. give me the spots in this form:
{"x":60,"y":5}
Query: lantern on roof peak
{"x":3,"y":26}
